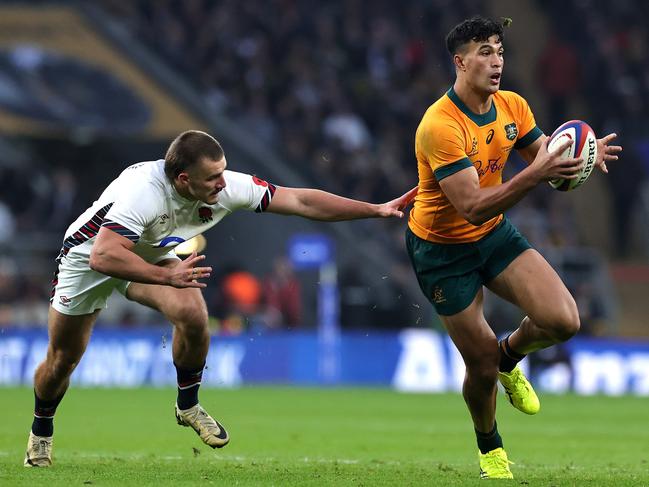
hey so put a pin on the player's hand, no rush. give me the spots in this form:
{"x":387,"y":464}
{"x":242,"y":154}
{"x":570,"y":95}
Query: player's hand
{"x":186,"y":274}
{"x":606,"y":152}
{"x":550,"y":165}
{"x":396,"y":206}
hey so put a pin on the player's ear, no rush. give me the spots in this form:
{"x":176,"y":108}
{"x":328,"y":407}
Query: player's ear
{"x":458,"y":60}
{"x":183,"y":177}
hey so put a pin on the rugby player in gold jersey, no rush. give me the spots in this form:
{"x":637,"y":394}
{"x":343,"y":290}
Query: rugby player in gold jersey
{"x":459,"y":240}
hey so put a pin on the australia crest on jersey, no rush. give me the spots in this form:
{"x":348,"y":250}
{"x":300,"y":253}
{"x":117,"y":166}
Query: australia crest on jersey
{"x":511,"y":131}
{"x":205,"y":214}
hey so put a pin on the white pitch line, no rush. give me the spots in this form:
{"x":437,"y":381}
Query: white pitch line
{"x":346,"y":461}
{"x":223,"y":458}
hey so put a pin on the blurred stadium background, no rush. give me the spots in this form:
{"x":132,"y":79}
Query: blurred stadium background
{"x":328,"y":95}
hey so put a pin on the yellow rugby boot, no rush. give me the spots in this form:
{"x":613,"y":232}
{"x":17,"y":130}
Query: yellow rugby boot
{"x":495,"y":465}
{"x":519,"y":391}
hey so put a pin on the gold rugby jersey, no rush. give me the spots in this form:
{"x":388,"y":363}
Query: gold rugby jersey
{"x":450,"y":138}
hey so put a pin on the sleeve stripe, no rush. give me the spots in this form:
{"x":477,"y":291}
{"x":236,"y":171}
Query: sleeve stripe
{"x":71,"y":242}
{"x":85,"y":233}
{"x":452,"y":168}
{"x":122,"y":230}
{"x":266,"y":199}
{"x":528,"y":138}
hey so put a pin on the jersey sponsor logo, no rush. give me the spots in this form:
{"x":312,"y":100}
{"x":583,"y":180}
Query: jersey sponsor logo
{"x":490,"y":136}
{"x":205,"y":214}
{"x":511,"y":131}
{"x":163,"y":219}
{"x":168,"y":241}
{"x":492,"y":165}
{"x":474,"y":147}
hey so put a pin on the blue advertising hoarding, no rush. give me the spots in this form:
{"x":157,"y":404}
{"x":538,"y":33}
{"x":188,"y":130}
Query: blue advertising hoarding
{"x":413,"y":360}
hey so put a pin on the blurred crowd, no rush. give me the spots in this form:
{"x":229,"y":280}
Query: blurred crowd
{"x":605,"y":64}
{"x":337,"y":90}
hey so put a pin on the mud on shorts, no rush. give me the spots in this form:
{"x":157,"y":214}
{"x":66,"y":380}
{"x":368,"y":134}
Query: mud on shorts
{"x":450,"y":275}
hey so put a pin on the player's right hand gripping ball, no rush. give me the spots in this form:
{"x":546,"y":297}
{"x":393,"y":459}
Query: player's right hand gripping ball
{"x":584,"y":146}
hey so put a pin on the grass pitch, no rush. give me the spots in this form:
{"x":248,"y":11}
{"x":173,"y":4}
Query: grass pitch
{"x":314,"y":437}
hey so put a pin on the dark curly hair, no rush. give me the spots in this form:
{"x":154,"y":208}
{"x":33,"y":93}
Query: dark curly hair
{"x":476,"y":29}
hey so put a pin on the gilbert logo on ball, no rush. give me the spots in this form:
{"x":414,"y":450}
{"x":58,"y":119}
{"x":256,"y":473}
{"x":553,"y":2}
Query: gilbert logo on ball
{"x":584,"y":147}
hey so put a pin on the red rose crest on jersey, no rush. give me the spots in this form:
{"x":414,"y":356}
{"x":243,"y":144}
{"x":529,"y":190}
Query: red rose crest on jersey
{"x":205,"y":214}
{"x":259,"y":182}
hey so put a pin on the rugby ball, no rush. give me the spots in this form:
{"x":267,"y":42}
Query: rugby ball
{"x":584,"y":146}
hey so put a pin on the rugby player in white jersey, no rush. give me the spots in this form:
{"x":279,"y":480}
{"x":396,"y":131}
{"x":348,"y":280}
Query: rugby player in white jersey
{"x":125,"y":241}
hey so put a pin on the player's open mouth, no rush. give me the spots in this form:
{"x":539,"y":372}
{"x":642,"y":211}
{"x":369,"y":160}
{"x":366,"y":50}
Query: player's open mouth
{"x":495,"y":78}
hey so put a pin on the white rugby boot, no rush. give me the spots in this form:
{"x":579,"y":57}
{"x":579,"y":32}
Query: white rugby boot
{"x":39,"y":451}
{"x":210,"y":430}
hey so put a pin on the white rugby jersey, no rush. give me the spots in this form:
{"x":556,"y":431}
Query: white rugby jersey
{"x":143,"y":206}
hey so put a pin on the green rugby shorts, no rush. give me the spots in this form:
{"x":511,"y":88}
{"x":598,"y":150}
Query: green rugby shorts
{"x":450,"y":275}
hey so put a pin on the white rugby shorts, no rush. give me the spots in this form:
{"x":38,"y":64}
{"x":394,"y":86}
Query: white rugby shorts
{"x":78,"y":290}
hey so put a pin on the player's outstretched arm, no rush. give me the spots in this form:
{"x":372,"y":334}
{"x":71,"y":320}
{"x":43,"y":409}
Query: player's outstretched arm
{"x":320,"y":205}
{"x":397,"y":205}
{"x":112,"y":255}
{"x":478,"y":205}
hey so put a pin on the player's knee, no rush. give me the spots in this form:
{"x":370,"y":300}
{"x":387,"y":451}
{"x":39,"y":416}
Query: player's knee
{"x":564,"y":322}
{"x":569,"y":325}
{"x":62,"y":363}
{"x":191,"y":320}
{"x":190,"y":313}
{"x":484,"y":369}
{"x":484,"y":377}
